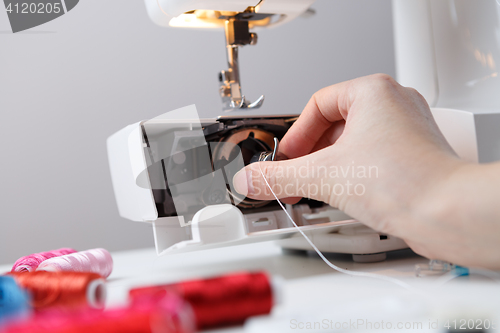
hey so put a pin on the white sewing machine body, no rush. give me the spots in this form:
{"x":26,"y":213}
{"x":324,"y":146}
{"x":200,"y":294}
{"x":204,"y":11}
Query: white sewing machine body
{"x":448,"y":50}
{"x":204,"y":13}
{"x":167,"y":171}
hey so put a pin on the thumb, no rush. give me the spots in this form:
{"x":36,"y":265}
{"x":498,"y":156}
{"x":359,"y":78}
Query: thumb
{"x":288,"y":178}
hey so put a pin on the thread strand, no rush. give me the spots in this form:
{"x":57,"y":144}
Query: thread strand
{"x":341,"y":270}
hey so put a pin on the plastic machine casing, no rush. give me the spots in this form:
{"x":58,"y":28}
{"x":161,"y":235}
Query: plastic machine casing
{"x":448,"y":50}
{"x":224,"y":224}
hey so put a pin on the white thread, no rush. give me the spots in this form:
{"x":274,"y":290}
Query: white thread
{"x":341,"y":270}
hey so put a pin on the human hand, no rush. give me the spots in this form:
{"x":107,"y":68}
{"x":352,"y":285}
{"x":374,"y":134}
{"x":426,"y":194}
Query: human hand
{"x":369,"y":147}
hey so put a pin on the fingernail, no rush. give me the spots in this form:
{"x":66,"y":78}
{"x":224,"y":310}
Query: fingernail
{"x":242,"y":182}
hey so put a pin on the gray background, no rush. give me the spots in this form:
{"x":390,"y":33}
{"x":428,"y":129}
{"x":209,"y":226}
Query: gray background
{"x":67,"y":85}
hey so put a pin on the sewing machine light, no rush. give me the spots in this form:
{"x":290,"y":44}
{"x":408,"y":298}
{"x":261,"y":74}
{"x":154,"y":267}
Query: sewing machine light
{"x":236,"y":18}
{"x":172,"y":13}
{"x":190,"y":20}
{"x":214,"y":19}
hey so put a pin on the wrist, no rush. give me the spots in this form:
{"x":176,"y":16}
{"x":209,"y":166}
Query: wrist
{"x":426,"y":214}
{"x":456,"y":219}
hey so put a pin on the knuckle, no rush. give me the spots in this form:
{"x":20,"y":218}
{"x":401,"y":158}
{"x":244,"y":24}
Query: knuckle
{"x":383,"y":79}
{"x":275,"y":176}
{"x":412,"y":91}
{"x":382,"y":82}
{"x":270,"y":174}
{"x":416,"y":95}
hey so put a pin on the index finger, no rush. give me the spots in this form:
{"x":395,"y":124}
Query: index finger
{"x":325,"y":107}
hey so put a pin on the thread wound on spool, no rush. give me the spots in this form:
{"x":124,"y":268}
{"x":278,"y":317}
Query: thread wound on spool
{"x":97,"y":261}
{"x":168,"y":316}
{"x":31,"y":262}
{"x":63,"y":289}
{"x":220,"y":301}
{"x":13,"y":300}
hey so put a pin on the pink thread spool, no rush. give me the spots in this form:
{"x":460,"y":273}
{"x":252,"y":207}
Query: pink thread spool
{"x":31,"y":262}
{"x":93,"y":261}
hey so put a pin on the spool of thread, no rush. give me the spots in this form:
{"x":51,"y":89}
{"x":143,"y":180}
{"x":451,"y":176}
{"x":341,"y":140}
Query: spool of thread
{"x":170,"y":315}
{"x":63,"y":289}
{"x":221,"y":301}
{"x":97,"y":261}
{"x":31,"y":262}
{"x":13,"y":301}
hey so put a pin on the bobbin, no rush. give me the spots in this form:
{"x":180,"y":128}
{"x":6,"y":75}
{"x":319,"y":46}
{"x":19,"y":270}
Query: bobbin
{"x":176,"y":172}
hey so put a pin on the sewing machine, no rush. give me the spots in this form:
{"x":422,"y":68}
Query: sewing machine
{"x":175,"y":171}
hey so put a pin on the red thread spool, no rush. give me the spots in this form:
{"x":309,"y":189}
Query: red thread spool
{"x":220,"y":301}
{"x":63,"y":289}
{"x":170,"y":315}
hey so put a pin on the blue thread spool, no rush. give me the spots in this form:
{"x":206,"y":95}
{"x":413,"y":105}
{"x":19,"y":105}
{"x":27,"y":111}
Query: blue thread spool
{"x":13,"y":300}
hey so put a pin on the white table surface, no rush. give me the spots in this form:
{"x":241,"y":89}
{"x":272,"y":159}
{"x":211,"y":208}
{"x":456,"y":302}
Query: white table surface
{"x":313,"y":292}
